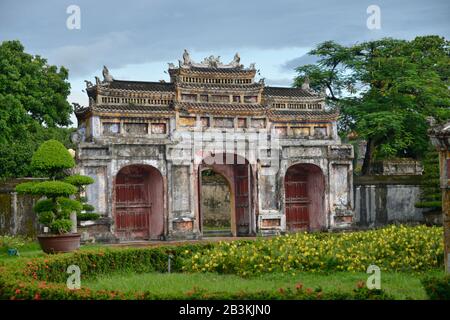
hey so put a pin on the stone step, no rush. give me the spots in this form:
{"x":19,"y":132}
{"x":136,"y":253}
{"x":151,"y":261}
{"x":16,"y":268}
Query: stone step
{"x":217,"y":233}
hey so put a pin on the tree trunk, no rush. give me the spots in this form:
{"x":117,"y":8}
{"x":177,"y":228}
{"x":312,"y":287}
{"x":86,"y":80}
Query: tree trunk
{"x":365,"y":170}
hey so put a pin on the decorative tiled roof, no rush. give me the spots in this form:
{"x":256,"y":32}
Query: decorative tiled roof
{"x":141,"y":85}
{"x":220,"y":108}
{"x":219,"y":86}
{"x":132,"y":109}
{"x":289,"y":92}
{"x":292,"y":115}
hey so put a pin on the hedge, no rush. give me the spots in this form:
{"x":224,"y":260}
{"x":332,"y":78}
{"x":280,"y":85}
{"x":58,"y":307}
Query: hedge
{"x":393,"y":248}
{"x":437,"y":288}
{"x":45,"y":278}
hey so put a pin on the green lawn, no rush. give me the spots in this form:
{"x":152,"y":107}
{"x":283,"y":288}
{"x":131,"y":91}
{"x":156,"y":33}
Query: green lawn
{"x":400,"y":285}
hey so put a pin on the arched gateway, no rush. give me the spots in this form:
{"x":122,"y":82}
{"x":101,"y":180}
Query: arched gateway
{"x":207,"y":108}
{"x":138,"y":203}
{"x":237,"y":171}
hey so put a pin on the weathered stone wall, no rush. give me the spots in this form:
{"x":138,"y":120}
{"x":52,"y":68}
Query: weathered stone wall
{"x":16,"y":211}
{"x":381,"y":200}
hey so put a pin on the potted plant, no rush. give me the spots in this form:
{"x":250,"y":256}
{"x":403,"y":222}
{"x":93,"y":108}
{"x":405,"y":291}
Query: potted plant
{"x":53,"y":160}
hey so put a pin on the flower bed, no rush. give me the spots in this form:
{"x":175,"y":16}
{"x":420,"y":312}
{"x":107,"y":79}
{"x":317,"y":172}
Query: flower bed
{"x":45,"y":277}
{"x":394,"y":248}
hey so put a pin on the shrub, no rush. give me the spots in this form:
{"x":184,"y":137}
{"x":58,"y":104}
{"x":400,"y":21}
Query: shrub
{"x":88,"y":216}
{"x":395,"y":248}
{"x":12,"y":242}
{"x":61,"y":225}
{"x":79,"y":180}
{"x":46,"y":217}
{"x":45,"y":277}
{"x":52,"y":157}
{"x":53,"y":189}
{"x":69,"y":205}
{"x":437,"y":288}
{"x":44,"y":205}
{"x":26,"y":187}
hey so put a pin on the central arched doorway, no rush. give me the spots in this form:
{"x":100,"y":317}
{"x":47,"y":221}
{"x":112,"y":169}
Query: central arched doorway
{"x":304,"y":198}
{"x":139,"y":203}
{"x":215,"y":204}
{"x":237,"y":171}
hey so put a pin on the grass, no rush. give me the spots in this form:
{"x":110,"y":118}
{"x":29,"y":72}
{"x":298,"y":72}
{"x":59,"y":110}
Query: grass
{"x":400,"y":285}
{"x":33,"y":250}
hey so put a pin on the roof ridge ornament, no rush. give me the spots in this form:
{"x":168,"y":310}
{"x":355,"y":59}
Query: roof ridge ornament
{"x":107,"y":77}
{"x":305,"y":84}
{"x":209,"y":62}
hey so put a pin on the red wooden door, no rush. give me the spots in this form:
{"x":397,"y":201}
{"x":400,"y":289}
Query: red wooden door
{"x":242,"y":199}
{"x":296,"y":202}
{"x":132,"y":204}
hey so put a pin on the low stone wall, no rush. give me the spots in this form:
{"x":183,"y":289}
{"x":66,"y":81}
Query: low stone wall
{"x":16,"y":211}
{"x":380,"y":200}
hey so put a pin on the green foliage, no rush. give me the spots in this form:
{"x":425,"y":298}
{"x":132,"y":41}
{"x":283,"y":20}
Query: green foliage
{"x":51,"y":158}
{"x":26,"y":187}
{"x":60,"y":226}
{"x":12,"y":242}
{"x":70,"y":205}
{"x":88,"y":216}
{"x":53,"y":189}
{"x":46,"y":217}
{"x":382,"y":87}
{"x":79,"y":180}
{"x":437,"y":288}
{"x":430,"y":193}
{"x":88,"y":207}
{"x":44,"y":205}
{"x":394,"y":248}
{"x":15,"y":156}
{"x":33,"y":96}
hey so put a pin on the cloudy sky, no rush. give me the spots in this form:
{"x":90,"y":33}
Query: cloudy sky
{"x":136,"y":38}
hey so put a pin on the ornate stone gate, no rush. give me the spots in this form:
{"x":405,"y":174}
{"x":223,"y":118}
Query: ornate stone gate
{"x":294,"y":174}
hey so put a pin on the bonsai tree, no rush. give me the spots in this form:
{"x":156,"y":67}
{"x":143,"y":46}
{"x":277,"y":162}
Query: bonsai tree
{"x":53,"y":161}
{"x":81,"y":182}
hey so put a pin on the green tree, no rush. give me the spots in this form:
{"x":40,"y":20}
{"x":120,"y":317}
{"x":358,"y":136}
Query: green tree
{"x":385,"y":89}
{"x":34,"y":107}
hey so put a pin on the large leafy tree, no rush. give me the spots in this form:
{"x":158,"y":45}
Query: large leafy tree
{"x":33,"y":107}
{"x":385,"y":89}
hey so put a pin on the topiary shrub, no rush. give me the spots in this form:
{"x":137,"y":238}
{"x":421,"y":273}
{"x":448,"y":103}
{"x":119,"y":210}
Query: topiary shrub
{"x":52,"y":158}
{"x":80,"y":181}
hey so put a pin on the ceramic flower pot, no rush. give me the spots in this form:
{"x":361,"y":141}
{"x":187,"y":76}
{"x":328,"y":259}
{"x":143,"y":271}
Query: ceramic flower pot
{"x":59,"y":243}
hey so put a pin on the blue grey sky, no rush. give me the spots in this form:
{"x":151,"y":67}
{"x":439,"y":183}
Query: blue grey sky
{"x":137,"y":38}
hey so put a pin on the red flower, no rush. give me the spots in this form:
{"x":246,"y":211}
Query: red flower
{"x":37,"y":296}
{"x":299,"y":286}
{"x":17,"y":291}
